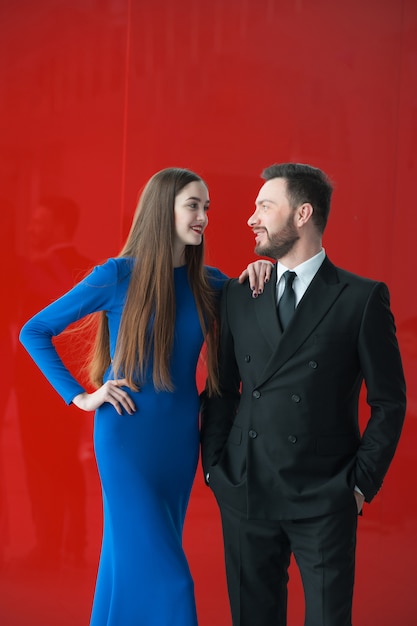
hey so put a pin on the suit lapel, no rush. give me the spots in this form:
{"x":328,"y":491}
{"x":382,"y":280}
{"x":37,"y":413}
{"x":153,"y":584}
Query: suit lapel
{"x":317,"y":300}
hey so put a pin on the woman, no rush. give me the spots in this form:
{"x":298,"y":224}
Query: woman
{"x":156,"y":303}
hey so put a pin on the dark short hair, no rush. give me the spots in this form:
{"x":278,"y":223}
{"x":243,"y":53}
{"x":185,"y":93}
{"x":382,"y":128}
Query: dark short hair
{"x":305,"y":184}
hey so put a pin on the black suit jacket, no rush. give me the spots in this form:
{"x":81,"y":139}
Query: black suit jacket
{"x":283,"y":440}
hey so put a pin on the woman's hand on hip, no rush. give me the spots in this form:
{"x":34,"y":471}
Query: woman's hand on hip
{"x":110,"y":392}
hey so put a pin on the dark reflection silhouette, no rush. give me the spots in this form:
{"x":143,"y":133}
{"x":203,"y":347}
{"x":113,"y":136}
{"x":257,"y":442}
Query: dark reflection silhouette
{"x":7,"y":350}
{"x":51,"y":434}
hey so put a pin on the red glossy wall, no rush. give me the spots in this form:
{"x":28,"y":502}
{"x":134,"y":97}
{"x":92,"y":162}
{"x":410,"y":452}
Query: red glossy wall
{"x":97,"y":95}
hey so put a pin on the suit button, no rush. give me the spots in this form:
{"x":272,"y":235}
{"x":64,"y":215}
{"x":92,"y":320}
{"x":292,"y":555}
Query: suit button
{"x":313,"y":365}
{"x":253,"y":434}
{"x":256,"y":394}
{"x":292,"y":439}
{"x":295,"y":398}
{"x":247,"y":358}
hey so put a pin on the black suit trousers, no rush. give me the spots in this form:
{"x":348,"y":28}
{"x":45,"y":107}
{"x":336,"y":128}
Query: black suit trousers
{"x":258,"y":555}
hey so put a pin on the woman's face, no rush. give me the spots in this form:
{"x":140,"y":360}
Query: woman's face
{"x":190,"y":214}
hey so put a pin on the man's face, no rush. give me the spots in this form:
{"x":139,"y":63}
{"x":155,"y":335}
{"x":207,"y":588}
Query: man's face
{"x":273,"y":220}
{"x":41,"y":229}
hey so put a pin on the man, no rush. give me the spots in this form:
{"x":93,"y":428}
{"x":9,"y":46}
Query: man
{"x":281,"y":446}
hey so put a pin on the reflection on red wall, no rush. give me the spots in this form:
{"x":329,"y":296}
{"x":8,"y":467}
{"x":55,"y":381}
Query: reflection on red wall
{"x":95,"y":97}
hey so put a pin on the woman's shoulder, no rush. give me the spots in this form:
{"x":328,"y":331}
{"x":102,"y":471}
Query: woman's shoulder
{"x":216,"y":277}
{"x":113,"y":270}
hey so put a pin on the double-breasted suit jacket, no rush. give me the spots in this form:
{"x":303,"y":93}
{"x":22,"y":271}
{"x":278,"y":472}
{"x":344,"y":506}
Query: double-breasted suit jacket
{"x":283,"y":440}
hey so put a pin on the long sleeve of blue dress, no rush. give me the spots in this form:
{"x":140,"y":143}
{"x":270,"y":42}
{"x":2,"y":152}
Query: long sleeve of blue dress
{"x":102,"y":290}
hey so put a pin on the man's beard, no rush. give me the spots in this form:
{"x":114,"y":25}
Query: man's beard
{"x":281,"y":243}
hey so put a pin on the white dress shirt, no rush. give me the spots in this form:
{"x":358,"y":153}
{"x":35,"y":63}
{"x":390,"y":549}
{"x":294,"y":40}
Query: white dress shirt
{"x":305,"y":274}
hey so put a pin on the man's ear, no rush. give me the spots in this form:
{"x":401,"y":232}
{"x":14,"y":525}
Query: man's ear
{"x":304,"y":213}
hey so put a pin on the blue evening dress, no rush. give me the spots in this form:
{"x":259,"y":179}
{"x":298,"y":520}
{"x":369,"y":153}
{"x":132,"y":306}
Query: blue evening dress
{"x":147,"y":461}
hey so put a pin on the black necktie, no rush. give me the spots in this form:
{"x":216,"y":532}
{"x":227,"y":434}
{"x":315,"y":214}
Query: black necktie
{"x":286,"y":305}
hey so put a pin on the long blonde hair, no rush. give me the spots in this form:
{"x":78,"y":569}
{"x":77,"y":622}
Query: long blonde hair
{"x":148,"y":319}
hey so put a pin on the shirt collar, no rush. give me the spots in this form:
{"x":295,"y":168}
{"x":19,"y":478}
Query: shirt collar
{"x":306,"y":270}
